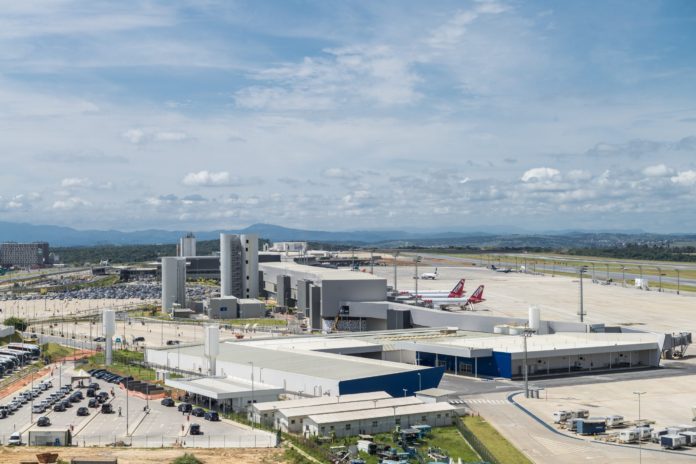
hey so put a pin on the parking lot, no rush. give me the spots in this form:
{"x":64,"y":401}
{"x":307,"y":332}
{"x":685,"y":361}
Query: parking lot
{"x":136,"y":426}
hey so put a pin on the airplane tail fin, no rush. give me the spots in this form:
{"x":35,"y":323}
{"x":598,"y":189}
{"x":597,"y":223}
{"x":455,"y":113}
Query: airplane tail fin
{"x":458,"y":290}
{"x":477,"y":296}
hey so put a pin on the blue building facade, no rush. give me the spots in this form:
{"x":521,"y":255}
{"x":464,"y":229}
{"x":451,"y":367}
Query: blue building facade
{"x":497,"y":365}
{"x":395,"y":384}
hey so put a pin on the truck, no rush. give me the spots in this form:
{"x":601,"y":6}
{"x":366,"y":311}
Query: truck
{"x":656,"y":434}
{"x":50,"y":437}
{"x":672,"y":441}
{"x":615,"y":421}
{"x":690,"y":437}
{"x":629,"y":436}
{"x":560,"y":416}
{"x":591,"y":426}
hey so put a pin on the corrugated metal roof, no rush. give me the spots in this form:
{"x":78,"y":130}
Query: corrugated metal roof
{"x":354,"y":406}
{"x":305,"y":402}
{"x":381,"y":413}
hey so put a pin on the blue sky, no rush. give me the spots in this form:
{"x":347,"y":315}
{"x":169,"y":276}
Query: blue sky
{"x":346,"y":115}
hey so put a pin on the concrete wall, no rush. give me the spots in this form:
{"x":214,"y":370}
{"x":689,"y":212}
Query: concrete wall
{"x":249,"y":308}
{"x":334,"y":292}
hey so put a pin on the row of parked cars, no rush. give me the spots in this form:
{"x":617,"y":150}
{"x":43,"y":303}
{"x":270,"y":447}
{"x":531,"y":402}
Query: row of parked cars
{"x":103,"y":374}
{"x":25,"y":397}
{"x":188,"y":408}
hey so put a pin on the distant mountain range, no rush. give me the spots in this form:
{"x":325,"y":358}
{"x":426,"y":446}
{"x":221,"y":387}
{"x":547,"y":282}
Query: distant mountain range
{"x":493,"y":236}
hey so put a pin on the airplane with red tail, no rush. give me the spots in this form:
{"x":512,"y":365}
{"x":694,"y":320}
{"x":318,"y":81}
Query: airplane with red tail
{"x":474,"y":298}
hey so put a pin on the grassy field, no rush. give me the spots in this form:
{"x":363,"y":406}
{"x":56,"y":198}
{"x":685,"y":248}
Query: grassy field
{"x":494,"y":441}
{"x":123,"y":364}
{"x":54,"y":351}
{"x":447,"y":439}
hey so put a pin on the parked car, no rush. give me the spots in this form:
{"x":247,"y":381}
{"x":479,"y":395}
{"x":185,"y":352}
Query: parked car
{"x":15,"y":439}
{"x":99,"y":339}
{"x":94,"y":386}
{"x":139,"y":339}
{"x":67,"y":403}
{"x":82,"y":411}
{"x":93,"y":403}
{"x":102,"y":397}
{"x":211,"y":416}
{"x":106,"y":408}
{"x":198,"y":412}
{"x":172,"y":342}
{"x":185,"y":407}
{"x":167,"y":402}
{"x":59,"y":407}
{"x":195,"y":429}
{"x":43,"y":421}
{"x":38,"y":409}
{"x":90,"y":392}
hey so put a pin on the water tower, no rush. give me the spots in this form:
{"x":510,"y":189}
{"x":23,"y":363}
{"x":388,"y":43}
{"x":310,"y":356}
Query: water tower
{"x":109,"y":323}
{"x":212,"y":346}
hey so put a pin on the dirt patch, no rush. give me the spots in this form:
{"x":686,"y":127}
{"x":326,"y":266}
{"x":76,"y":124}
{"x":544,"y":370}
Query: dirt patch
{"x":149,"y":456}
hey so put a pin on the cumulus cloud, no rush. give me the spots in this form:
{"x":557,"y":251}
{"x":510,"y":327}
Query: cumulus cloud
{"x":658,"y":170}
{"x":70,"y":203}
{"x":540,"y":174}
{"x":139,"y":136}
{"x":71,"y":182}
{"x":685,"y":178}
{"x":207,"y":179}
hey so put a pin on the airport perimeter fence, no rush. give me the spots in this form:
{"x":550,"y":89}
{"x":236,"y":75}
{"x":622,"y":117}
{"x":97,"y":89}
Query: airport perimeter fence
{"x":477,"y":444}
{"x":169,"y":441}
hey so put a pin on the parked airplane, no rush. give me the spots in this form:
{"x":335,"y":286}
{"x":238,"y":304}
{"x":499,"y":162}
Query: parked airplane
{"x":456,"y":292}
{"x":497,"y":269}
{"x":474,"y":298}
{"x":429,"y":275}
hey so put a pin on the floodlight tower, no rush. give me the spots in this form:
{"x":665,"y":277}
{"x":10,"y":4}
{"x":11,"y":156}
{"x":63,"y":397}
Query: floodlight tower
{"x":109,"y":323}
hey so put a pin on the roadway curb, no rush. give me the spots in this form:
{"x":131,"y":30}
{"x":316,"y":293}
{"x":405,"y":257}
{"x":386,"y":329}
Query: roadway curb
{"x":511,"y":396}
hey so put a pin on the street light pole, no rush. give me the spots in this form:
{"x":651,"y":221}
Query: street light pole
{"x":417,"y":259}
{"x":623,"y":275}
{"x":581,"y":271}
{"x":396,"y":255}
{"x":372,"y":261}
{"x":677,"y":281}
{"x":640,"y":447}
{"x":527,"y":332}
{"x":659,"y":275}
{"x":252,"y":391}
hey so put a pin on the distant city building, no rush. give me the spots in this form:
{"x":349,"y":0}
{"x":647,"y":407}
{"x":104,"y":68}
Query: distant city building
{"x":24,"y":254}
{"x":239,"y":265}
{"x":296,"y":247}
{"x":187,"y":245}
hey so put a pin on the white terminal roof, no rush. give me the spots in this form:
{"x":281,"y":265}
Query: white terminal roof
{"x":311,"y":363}
{"x":321,"y":273}
{"x":352,"y":406}
{"x":557,"y":344}
{"x":371,"y":414}
{"x":305,"y":402}
{"x":221,"y":388}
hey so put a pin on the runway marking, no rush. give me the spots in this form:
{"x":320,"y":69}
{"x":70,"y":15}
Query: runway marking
{"x":487,"y":401}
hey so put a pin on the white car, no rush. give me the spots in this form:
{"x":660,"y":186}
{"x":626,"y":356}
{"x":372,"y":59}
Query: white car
{"x":38,"y":409}
{"x":15,"y":439}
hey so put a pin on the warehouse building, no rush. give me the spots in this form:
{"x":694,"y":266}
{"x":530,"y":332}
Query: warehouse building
{"x":310,"y":373}
{"x":291,"y":420}
{"x":381,"y":420}
{"x":264,"y":413}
